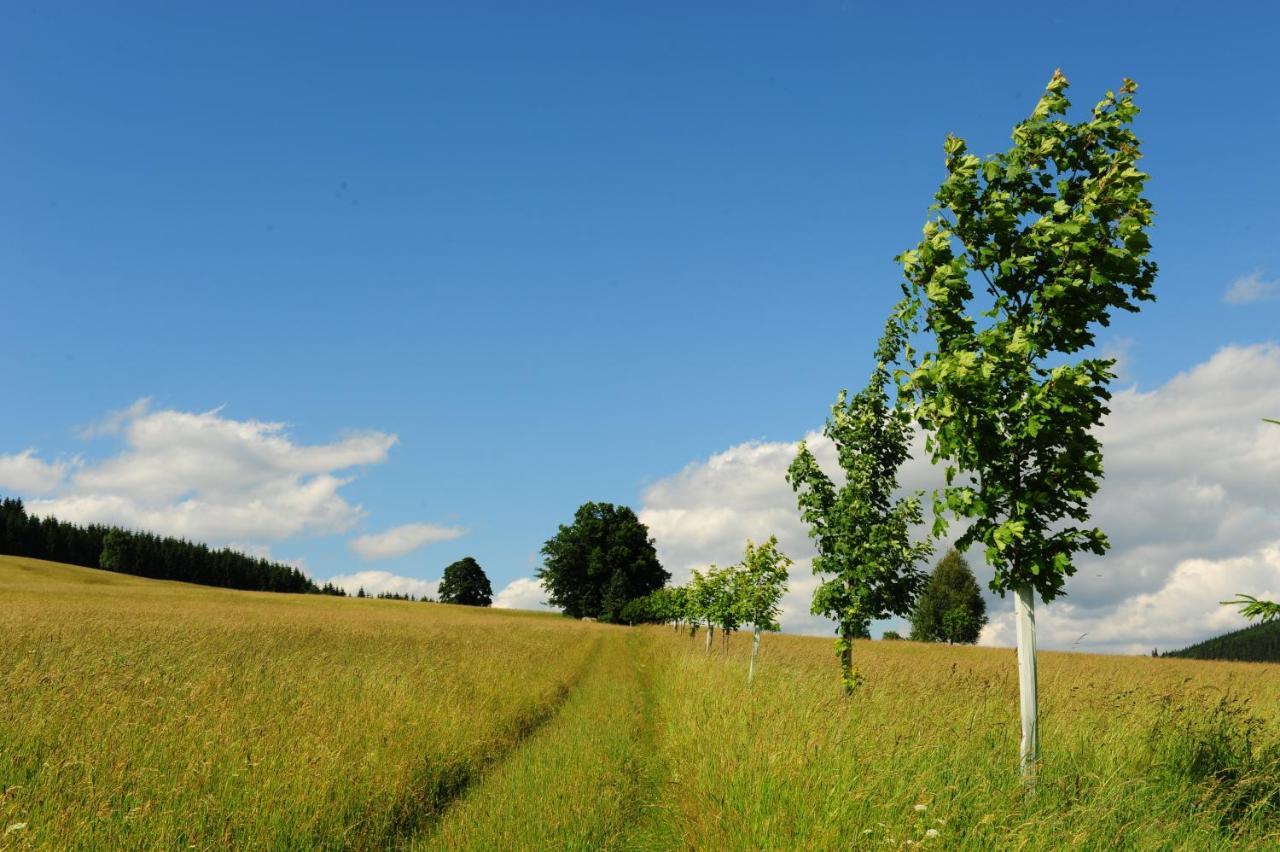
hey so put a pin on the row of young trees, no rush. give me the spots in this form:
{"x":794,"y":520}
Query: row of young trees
{"x":145,"y":554}
{"x":1024,"y":256}
{"x":747,"y":593}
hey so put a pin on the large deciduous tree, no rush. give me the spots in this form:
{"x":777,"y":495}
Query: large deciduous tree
{"x":1026,"y":254}
{"x":950,"y":607}
{"x":464,"y":582}
{"x":600,"y":562}
{"x":862,"y":533}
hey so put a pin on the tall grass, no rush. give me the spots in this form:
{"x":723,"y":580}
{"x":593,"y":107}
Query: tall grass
{"x":157,"y":715}
{"x":152,"y":715}
{"x":926,"y":751}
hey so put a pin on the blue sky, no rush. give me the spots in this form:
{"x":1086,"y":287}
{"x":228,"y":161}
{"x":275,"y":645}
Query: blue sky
{"x":559,"y":250}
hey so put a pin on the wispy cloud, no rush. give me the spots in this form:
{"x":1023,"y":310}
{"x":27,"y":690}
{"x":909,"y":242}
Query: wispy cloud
{"x":401,"y":540}
{"x":1251,"y":288}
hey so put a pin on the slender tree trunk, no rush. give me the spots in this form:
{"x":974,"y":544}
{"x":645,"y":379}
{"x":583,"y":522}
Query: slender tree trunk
{"x":1024,"y":608}
{"x":755,"y":649}
{"x":711,"y":631}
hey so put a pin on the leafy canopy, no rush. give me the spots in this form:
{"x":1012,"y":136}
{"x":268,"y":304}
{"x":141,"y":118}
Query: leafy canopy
{"x":760,"y":581}
{"x":464,"y":582}
{"x":863,"y":534}
{"x":600,"y":562}
{"x":1053,"y":231}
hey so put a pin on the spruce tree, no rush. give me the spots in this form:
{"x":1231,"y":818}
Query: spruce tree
{"x":950,"y":608}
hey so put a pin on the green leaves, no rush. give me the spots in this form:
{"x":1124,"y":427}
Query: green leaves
{"x":862,"y":531}
{"x":760,"y":580}
{"x":1251,"y":607}
{"x":1054,"y":230}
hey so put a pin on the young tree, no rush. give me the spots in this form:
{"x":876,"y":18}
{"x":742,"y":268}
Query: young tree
{"x":464,"y":582}
{"x":723,"y":606}
{"x":950,"y":607}
{"x":677,"y":606}
{"x":602,"y":560}
{"x":700,"y":602}
{"x":761,"y":582}
{"x":1054,"y":232}
{"x":863,"y":534}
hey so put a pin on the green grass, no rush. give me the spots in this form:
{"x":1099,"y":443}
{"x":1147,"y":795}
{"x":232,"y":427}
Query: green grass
{"x":143,"y":714}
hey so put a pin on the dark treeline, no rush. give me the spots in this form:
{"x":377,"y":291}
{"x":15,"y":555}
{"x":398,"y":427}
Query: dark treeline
{"x":398,"y":596}
{"x":1257,"y":644}
{"x":145,"y":554}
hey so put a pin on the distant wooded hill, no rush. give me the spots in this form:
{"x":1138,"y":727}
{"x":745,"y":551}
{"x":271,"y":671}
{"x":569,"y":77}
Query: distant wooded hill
{"x":145,"y":554}
{"x":1257,"y":644}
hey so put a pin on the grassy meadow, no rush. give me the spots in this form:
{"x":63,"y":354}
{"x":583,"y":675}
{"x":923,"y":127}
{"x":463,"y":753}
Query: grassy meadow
{"x":153,"y":715}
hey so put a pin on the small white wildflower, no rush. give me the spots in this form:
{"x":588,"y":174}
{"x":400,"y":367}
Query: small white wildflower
{"x":933,"y":832}
{"x":866,"y":831}
{"x":17,"y":826}
{"x":921,"y":808}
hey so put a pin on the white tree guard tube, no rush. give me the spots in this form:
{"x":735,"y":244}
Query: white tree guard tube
{"x":1024,"y":609}
{"x":711,"y":631}
{"x":755,"y":649}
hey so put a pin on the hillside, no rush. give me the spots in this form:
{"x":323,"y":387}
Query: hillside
{"x":152,"y":714}
{"x":1258,"y":643}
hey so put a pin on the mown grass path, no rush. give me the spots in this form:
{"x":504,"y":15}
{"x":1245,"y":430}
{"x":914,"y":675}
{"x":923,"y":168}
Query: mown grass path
{"x":421,"y":806}
{"x":584,"y":780}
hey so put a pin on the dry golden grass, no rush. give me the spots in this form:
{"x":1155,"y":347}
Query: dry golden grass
{"x":145,"y":714}
{"x":930,"y":742}
{"x":141,"y":714}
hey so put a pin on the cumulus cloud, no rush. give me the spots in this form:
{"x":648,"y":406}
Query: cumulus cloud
{"x":1252,"y":288}
{"x":211,"y":477}
{"x":376,"y":582}
{"x":1190,"y":502}
{"x":401,"y":540}
{"x":24,"y":473}
{"x":524,"y":593}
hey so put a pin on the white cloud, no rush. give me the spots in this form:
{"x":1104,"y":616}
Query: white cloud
{"x":115,"y":420}
{"x":212,"y":478}
{"x":376,"y":582}
{"x":24,"y":473}
{"x":1191,"y":502}
{"x":401,"y":540}
{"x":524,"y":593}
{"x":1252,"y":288}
